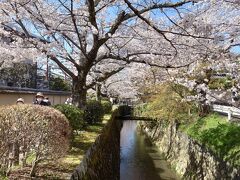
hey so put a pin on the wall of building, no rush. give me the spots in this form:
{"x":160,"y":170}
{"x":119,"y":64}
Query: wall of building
{"x":8,"y":96}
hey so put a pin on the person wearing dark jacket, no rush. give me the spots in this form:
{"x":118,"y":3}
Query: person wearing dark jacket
{"x":46,"y":100}
{"x":40,"y":100}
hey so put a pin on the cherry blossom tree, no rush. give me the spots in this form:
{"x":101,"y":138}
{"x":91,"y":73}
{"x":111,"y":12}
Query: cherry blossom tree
{"x":93,"y":40}
{"x":217,"y":21}
{"x":222,"y":19}
{"x":79,"y":35}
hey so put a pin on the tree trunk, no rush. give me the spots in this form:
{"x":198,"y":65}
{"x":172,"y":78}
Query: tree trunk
{"x":79,"y":91}
{"x":34,"y":167}
{"x":204,"y":109}
{"x":16,"y":153}
{"x":98,"y":92}
{"x":22,"y":156}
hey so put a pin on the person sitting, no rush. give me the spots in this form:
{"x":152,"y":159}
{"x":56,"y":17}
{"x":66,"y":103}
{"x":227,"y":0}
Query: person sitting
{"x":40,"y":100}
{"x":20,"y":101}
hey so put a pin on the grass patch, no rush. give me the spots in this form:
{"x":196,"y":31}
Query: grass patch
{"x":220,"y":136}
{"x":197,"y":127}
{"x":2,"y":177}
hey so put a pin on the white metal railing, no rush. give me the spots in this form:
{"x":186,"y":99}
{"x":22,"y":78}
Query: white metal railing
{"x":229,"y":110}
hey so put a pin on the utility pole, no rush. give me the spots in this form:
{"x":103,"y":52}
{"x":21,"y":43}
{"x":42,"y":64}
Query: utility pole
{"x":47,"y":74}
{"x":47,"y":71}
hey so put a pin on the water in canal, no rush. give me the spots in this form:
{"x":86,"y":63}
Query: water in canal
{"x":139,"y":159}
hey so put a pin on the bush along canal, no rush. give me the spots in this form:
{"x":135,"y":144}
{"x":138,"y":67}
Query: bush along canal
{"x":140,"y":160}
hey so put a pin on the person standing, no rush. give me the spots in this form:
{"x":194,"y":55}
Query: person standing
{"x":69,"y":101}
{"x":20,"y":101}
{"x":39,"y":100}
{"x":47,"y":101}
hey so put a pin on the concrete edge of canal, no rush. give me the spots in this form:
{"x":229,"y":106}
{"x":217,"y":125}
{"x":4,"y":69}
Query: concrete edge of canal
{"x":102,"y":160}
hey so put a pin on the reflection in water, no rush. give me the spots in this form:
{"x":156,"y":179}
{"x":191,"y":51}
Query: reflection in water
{"x":139,"y":159}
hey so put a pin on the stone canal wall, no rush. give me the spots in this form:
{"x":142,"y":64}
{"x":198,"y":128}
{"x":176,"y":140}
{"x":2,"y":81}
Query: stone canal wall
{"x":102,"y":160}
{"x":190,"y":159}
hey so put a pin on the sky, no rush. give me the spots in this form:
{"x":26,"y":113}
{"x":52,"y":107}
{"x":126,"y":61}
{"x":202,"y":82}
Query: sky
{"x":236,"y":50}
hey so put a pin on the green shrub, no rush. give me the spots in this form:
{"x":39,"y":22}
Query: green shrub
{"x":224,"y":140}
{"x":220,"y":136}
{"x":140,"y":109}
{"x":167,"y":104}
{"x":32,"y":130}
{"x":93,"y":112}
{"x":74,"y":115}
{"x":107,"y":106}
{"x":222,"y":83}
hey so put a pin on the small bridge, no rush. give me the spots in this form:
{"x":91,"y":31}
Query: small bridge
{"x":134,"y":118}
{"x":126,"y":113}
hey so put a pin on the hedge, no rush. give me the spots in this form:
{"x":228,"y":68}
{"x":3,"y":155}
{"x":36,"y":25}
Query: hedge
{"x":31,"y":130}
{"x":94,"y":112}
{"x":74,"y":115}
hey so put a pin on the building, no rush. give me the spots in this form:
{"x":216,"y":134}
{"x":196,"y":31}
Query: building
{"x":21,"y":74}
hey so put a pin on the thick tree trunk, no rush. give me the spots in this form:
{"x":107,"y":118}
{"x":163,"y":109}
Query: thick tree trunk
{"x":79,"y":91}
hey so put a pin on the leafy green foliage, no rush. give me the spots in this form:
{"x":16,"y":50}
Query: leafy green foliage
{"x":19,"y":74}
{"x":140,"y":109}
{"x":168,"y":104}
{"x":196,"y":127}
{"x":74,"y":115}
{"x":225,"y":141}
{"x":220,"y":83}
{"x":93,"y":112}
{"x":58,"y":84}
{"x":107,"y":106}
{"x":219,"y":135}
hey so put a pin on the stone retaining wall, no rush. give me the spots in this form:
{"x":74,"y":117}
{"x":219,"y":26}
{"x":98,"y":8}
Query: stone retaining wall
{"x":190,"y":159}
{"x":102,"y":160}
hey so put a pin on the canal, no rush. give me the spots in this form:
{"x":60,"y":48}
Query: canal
{"x":139,"y":159}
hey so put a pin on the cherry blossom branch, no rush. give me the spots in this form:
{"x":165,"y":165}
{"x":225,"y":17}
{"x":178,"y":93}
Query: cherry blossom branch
{"x":130,"y":60}
{"x":138,"y":13}
{"x":104,"y":77}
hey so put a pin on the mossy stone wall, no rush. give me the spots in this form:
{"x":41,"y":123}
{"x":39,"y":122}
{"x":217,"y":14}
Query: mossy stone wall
{"x":102,"y":160}
{"x":189,"y":158}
